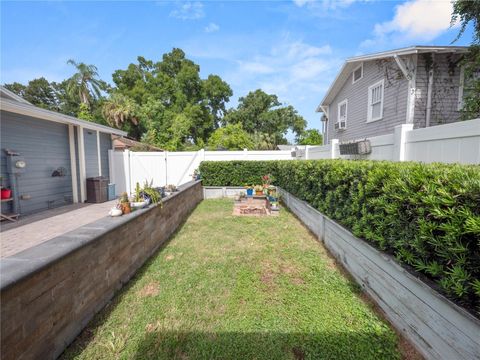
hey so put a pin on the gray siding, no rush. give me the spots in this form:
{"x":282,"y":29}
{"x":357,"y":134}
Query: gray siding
{"x":91,"y":158}
{"x":105,"y":145}
{"x":44,"y":144}
{"x":394,"y":108}
{"x":446,"y":81}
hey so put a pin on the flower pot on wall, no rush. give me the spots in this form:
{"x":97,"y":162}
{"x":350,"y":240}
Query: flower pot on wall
{"x":126,"y":209}
{"x":6,"y":194}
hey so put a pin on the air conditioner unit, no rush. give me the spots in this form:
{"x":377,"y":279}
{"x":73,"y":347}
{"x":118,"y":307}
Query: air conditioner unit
{"x":340,"y":125}
{"x":356,"y":148}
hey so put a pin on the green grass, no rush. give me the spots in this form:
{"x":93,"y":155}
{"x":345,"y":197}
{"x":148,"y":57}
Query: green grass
{"x":228,"y":287}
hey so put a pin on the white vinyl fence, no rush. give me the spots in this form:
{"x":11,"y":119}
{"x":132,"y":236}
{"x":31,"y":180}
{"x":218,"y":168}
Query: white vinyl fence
{"x":128,"y":167}
{"x":451,"y":143}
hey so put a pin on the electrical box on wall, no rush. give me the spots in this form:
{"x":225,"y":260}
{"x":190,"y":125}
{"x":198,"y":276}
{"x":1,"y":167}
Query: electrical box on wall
{"x":16,"y":164}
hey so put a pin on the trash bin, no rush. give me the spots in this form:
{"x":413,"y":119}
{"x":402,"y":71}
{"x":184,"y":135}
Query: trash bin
{"x":97,"y":189}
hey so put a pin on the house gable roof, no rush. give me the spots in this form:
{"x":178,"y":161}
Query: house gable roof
{"x":351,"y":63}
{"x":13,"y":103}
{"x":7,"y":94}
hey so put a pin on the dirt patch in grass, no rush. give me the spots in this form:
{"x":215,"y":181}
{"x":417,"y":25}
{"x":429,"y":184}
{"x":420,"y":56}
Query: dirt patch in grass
{"x":298,"y":353}
{"x":150,"y":328}
{"x":268,"y":278}
{"x":151,"y":289}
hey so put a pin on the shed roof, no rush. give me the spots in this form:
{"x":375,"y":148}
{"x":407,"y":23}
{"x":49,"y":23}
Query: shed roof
{"x":351,"y":63}
{"x":16,"y":104}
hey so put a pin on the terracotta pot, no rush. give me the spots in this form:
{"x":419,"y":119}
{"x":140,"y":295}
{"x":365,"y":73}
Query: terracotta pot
{"x":258,"y":192}
{"x":6,"y":194}
{"x":126,"y":209}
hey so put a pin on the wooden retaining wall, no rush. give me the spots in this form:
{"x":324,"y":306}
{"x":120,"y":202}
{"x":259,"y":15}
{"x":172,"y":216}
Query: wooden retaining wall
{"x":437,"y":327}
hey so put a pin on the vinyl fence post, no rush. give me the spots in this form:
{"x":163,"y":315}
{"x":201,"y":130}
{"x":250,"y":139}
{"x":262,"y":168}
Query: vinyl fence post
{"x":334,"y":152}
{"x":245,"y":154}
{"x":307,"y":148}
{"x":400,"y":141}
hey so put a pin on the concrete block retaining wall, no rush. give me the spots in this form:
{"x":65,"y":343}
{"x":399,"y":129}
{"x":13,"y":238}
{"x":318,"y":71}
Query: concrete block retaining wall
{"x":50,"y":292}
{"x":437,"y":327}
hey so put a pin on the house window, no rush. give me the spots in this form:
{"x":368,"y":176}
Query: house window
{"x":375,"y":101}
{"x":342,"y":115}
{"x":357,"y":74}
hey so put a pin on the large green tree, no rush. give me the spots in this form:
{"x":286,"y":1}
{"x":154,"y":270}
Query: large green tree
{"x":177,"y":108}
{"x":259,"y":112}
{"x":310,"y":137}
{"x":39,"y":92}
{"x":230,"y":137}
{"x":468,"y":12}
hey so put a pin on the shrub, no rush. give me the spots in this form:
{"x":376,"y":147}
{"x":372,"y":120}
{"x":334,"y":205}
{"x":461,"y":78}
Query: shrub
{"x":426,"y":215}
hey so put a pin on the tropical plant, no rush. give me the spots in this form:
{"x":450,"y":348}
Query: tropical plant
{"x":152,"y":193}
{"x":119,"y":109}
{"x":138,"y":194}
{"x":85,"y":84}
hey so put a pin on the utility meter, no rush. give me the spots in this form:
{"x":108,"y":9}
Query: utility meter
{"x":16,"y":164}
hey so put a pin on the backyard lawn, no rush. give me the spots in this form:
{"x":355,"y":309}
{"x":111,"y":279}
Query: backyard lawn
{"x":228,"y":287}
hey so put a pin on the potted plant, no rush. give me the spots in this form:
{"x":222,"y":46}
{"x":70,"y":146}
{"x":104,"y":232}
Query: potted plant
{"x":258,"y":189}
{"x":151,"y":194}
{"x":274,"y":206}
{"x":273,"y":196}
{"x":267,"y":180}
{"x":125,"y":203}
{"x":196,"y":174}
{"x":170,"y":188}
{"x":138,"y":200}
{"x":249,"y":189}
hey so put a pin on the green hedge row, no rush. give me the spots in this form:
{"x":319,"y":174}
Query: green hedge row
{"x":426,"y":215}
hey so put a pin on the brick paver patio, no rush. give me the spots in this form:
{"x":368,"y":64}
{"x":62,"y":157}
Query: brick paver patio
{"x":36,"y":229}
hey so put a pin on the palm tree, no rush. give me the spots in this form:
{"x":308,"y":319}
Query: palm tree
{"x":84,"y":84}
{"x":120,"y":109}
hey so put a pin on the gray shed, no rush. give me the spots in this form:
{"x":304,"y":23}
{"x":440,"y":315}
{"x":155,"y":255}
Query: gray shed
{"x":59,"y":153}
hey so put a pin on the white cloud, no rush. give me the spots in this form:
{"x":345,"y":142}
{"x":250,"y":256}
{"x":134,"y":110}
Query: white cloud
{"x":415,"y":20}
{"x":292,"y":69}
{"x":296,"y":71}
{"x":188,"y":11}
{"x":212,"y":27}
{"x":255,"y":67}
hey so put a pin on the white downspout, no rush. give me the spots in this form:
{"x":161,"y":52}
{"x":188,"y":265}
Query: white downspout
{"x":429,"y":95}
{"x":81,"y":164}
{"x":73,"y":162}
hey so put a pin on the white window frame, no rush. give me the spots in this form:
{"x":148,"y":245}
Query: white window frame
{"x":369,"y":109}
{"x":338,"y":114}
{"x":353,"y":73}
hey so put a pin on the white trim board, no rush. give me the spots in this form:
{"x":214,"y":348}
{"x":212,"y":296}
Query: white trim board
{"x":36,"y":112}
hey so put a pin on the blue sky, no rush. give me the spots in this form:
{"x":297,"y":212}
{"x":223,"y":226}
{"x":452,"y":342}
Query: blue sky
{"x":290,"y":48}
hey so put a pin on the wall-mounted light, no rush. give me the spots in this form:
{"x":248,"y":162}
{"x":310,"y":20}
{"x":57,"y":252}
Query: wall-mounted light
{"x":59,"y":172}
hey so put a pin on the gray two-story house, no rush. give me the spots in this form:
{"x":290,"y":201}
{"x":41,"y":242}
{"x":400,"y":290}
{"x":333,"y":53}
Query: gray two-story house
{"x":419,"y":85}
